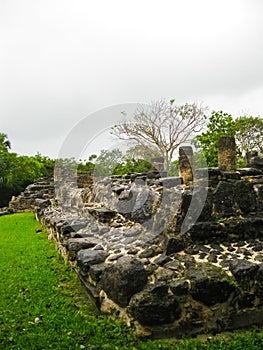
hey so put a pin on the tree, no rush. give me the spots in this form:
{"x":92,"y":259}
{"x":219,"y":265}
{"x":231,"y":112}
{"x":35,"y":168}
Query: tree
{"x":87,"y":166}
{"x":133,"y":166}
{"x":16,"y":172}
{"x":249,"y":134}
{"x":107,"y":161}
{"x":142,"y":152}
{"x":5,"y":144}
{"x":162,"y":125}
{"x":220,"y":124}
{"x":247,"y":130}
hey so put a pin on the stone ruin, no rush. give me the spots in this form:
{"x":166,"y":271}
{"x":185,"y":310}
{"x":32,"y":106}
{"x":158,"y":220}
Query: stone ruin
{"x":42,"y":189}
{"x":171,"y":256}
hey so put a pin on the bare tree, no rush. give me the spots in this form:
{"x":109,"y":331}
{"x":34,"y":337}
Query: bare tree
{"x":162,"y":124}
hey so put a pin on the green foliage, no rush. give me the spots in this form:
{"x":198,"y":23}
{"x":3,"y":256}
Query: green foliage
{"x":114,"y":162}
{"x":133,"y":166}
{"x":16,"y":172}
{"x":107,"y":161}
{"x":249,"y":133}
{"x":146,"y":152}
{"x":219,"y":124}
{"x":247,"y":130}
{"x":88,"y":166}
{"x":173,"y":168}
{"x":5,"y":144}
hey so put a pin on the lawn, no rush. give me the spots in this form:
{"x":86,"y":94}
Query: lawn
{"x":44,"y":306}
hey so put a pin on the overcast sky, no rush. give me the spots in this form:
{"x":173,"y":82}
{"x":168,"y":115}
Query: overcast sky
{"x":62,"y":60}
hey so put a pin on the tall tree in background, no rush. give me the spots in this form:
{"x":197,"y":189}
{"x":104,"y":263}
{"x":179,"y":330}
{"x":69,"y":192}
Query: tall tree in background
{"x":249,"y":134}
{"x":162,"y":125}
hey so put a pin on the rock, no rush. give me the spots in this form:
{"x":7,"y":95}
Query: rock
{"x":123,"y":279}
{"x":212,"y":258}
{"x":249,"y":172}
{"x":42,"y":203}
{"x":246,"y":301}
{"x":132,"y":232}
{"x":150,"y":252}
{"x":176,"y":243}
{"x":245,"y":196}
{"x":95,"y":271}
{"x":87,"y":257}
{"x":223,"y":200}
{"x":162,"y":259}
{"x":69,"y":226}
{"x":169,"y":182}
{"x":207,"y":232}
{"x":209,"y":284}
{"x":179,"y":286}
{"x":244,"y":272}
{"x":154,"y":307}
{"x":118,"y":189}
{"x":73,"y":245}
{"x":104,"y":215}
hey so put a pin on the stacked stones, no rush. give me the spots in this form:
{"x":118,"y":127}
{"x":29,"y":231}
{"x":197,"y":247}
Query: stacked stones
{"x":133,"y":257}
{"x":41,"y":189}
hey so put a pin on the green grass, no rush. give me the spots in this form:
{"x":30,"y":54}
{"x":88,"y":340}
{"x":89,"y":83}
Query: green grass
{"x":43,"y":305}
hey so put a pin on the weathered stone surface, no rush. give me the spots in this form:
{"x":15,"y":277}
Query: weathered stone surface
{"x":42,"y":203}
{"x":169,"y":182}
{"x":150,"y":252}
{"x":244,"y":272}
{"x":226,"y":153}
{"x":223,"y":200}
{"x":176,"y":243}
{"x":120,"y":281}
{"x":87,"y":257}
{"x":154,"y":306}
{"x":185,"y":166}
{"x":179,"y":286}
{"x":206,"y":282}
{"x":245,"y":196}
{"x":73,"y":245}
{"x":96,"y":270}
{"x":208,"y":232}
{"x":42,"y":189}
{"x":102,"y":214}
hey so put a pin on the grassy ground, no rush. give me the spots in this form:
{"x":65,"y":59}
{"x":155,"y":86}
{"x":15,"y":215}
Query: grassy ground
{"x":43,"y":306}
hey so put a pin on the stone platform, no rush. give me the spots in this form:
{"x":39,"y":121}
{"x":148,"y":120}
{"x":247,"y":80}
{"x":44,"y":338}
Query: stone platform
{"x":123,"y":236}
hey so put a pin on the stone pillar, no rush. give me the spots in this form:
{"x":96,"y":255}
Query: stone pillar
{"x":250,"y":156}
{"x":158,"y":163}
{"x":186,"y":163}
{"x":227,"y":153}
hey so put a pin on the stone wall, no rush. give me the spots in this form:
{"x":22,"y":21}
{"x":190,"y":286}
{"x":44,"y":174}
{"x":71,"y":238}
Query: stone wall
{"x":125,"y":236}
{"x":40,"y":189}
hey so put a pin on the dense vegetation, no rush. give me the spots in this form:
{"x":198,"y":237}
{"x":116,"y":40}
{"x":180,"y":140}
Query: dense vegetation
{"x":16,"y":172}
{"x":43,"y":305}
